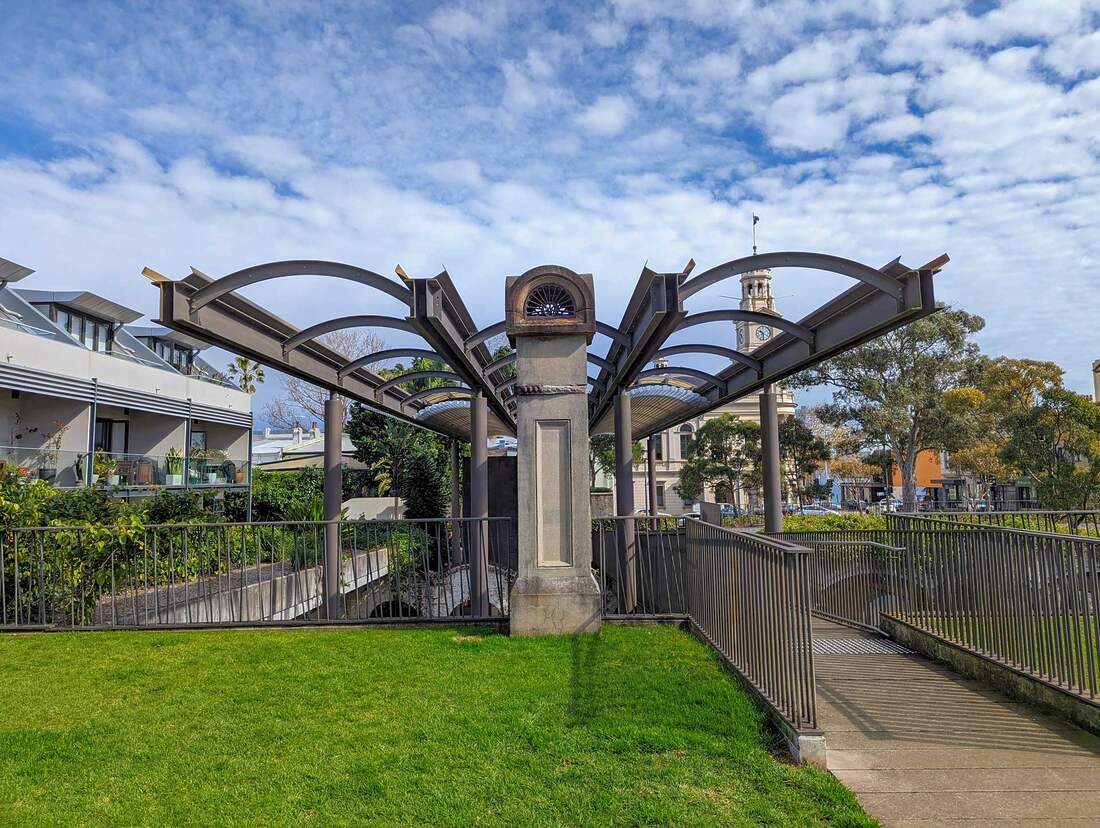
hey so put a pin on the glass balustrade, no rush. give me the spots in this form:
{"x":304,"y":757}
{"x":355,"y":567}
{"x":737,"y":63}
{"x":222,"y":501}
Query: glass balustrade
{"x":58,"y":467}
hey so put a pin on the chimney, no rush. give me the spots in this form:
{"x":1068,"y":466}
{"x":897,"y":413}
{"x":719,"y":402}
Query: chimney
{"x":297,"y":435}
{"x":267,"y":433}
{"x":315,"y":429}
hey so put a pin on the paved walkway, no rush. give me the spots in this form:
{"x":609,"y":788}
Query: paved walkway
{"x":920,"y":745}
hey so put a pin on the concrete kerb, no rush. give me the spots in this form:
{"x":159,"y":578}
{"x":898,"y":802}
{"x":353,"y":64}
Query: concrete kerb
{"x":1032,"y":690}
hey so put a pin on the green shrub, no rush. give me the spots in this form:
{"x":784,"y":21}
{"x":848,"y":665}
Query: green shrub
{"x":274,"y":493}
{"x":172,"y":507}
{"x":827,"y":523}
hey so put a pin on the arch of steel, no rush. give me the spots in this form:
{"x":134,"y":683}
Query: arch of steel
{"x":210,"y":310}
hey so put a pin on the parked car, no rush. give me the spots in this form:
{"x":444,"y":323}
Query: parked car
{"x":816,"y":510}
{"x":729,"y":510}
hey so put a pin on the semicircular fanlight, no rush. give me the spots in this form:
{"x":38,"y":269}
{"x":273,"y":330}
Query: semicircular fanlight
{"x":550,"y":301}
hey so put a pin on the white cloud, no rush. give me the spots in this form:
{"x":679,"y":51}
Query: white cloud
{"x":607,"y":116}
{"x":460,"y":172}
{"x":268,"y":154}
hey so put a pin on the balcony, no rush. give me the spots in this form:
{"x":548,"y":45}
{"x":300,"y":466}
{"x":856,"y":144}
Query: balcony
{"x":57,"y":467}
{"x":214,"y":468}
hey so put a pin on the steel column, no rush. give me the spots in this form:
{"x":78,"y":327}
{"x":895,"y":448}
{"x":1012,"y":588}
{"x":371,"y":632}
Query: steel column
{"x":651,"y":473}
{"x":456,"y":504}
{"x":624,"y":502}
{"x":333,"y":491}
{"x":479,"y":505}
{"x":769,"y":451}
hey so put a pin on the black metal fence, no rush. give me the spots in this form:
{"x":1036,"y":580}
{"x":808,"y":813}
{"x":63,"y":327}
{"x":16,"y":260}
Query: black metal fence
{"x":853,"y":581}
{"x":746,"y":594}
{"x":1028,"y":600}
{"x":749,"y":597}
{"x":640,"y":566}
{"x":253,"y":573}
{"x":1085,"y":522}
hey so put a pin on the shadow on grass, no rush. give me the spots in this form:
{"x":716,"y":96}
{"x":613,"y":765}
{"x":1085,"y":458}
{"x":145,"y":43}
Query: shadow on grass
{"x":586,"y":655}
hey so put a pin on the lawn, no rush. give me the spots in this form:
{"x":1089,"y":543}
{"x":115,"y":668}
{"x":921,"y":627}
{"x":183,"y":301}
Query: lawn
{"x":394,"y":727}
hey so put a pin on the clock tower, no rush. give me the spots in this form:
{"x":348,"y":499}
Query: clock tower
{"x":756,"y":295}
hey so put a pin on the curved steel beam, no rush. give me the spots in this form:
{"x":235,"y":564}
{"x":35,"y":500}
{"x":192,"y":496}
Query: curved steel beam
{"x":496,"y":329}
{"x":614,"y":333}
{"x":801,"y":331}
{"x":717,"y":350}
{"x":811,"y":261}
{"x":413,"y":376}
{"x":442,"y":389}
{"x":299,"y":267}
{"x":497,"y":364}
{"x":600,"y":362}
{"x":702,"y":376}
{"x":346,"y":322}
{"x":389,"y":353}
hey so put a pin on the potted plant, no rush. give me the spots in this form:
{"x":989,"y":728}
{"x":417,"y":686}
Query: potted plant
{"x":51,"y":450}
{"x":105,"y":466}
{"x":214,"y":458}
{"x":173,"y":462}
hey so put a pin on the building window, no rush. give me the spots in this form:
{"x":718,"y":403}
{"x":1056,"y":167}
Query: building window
{"x":660,"y":495}
{"x":111,"y":436}
{"x":659,"y":447}
{"x":685,"y":440}
{"x":94,"y":334}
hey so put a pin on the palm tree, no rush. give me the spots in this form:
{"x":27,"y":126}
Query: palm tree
{"x":245,"y":373}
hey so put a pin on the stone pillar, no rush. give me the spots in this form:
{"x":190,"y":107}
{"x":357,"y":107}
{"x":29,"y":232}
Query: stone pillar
{"x":555,"y":591}
{"x":626,"y":550}
{"x":333,"y":500}
{"x":478,"y":529}
{"x":769,"y":451}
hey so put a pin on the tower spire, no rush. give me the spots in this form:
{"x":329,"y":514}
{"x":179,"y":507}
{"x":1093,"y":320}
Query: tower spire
{"x":755,"y":219}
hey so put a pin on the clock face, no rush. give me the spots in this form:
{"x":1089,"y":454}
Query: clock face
{"x":763,"y":333}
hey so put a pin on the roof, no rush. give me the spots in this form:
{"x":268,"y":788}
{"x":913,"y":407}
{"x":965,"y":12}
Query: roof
{"x":12,"y":272}
{"x":168,"y":335}
{"x":81,"y":300}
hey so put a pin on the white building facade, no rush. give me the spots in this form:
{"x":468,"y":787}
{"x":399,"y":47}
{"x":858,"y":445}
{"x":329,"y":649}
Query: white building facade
{"x":85,"y":399}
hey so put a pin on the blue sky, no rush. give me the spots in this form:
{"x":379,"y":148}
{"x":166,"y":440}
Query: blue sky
{"x":492,"y":136}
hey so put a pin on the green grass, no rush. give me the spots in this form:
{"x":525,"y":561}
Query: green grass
{"x":394,"y":727}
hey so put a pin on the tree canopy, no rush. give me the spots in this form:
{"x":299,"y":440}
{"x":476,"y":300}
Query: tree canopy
{"x":892,"y":389}
{"x":723,"y":454}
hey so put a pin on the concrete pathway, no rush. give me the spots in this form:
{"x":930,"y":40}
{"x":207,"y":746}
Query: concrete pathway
{"x":920,"y":745}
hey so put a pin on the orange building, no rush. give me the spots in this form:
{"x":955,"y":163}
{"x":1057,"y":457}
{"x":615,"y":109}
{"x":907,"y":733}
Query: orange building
{"x":929,"y":471}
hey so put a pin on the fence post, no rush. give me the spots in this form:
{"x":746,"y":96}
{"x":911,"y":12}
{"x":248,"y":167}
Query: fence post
{"x":333,"y":497}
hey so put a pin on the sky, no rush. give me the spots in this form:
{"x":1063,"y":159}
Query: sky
{"x":489,"y":137}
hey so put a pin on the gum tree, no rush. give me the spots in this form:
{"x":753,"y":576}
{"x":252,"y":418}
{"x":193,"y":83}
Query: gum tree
{"x":891,"y":391}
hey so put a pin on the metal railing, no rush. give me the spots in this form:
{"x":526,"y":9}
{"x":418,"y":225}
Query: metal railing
{"x":1027,"y":600}
{"x":1084,"y":522}
{"x":253,"y":573}
{"x":639,"y":564}
{"x":855,"y":578}
{"x":749,"y":596}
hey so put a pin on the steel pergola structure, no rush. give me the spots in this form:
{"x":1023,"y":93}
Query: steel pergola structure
{"x":626,"y":397}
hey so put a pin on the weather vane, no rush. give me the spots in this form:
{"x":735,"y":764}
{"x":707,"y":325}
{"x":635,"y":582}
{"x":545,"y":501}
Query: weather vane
{"x":755,"y":219}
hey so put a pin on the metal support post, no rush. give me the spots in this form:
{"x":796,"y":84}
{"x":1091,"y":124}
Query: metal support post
{"x":769,"y":450}
{"x":624,"y":504}
{"x":479,"y":505}
{"x":333,"y":497}
{"x":456,"y":505}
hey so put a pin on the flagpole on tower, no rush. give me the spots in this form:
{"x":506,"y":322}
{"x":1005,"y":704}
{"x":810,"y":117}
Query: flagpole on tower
{"x":755,"y":219}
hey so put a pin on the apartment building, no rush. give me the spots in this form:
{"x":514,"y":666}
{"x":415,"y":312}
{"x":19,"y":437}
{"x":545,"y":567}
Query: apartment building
{"x":86,"y":397}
